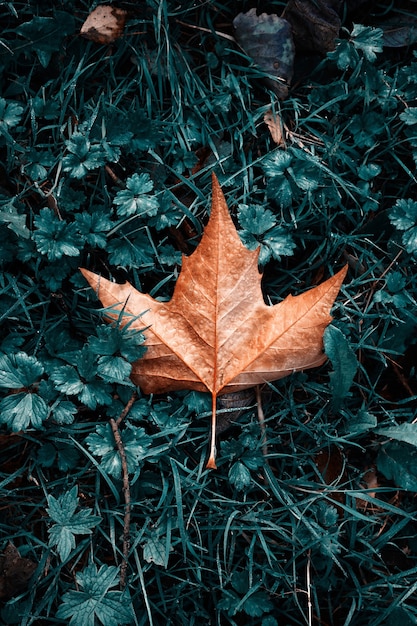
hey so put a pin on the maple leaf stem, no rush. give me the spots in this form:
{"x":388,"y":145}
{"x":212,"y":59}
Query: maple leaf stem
{"x":211,"y":463}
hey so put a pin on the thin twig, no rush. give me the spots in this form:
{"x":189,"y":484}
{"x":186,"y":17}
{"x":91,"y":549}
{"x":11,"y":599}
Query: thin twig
{"x":126,"y":487}
{"x":208,"y":30}
{"x":127,"y":408}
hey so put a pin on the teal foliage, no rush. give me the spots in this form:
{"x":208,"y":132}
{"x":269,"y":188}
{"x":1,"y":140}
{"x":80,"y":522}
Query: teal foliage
{"x":68,"y":523}
{"x":96,"y":599}
{"x":135,"y":442}
{"x":403,"y":215}
{"x":135,"y":199}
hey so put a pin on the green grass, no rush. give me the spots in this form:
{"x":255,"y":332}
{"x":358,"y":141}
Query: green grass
{"x":107,"y":154}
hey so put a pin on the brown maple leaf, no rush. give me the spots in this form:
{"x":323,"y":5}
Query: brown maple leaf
{"x":217,"y":334}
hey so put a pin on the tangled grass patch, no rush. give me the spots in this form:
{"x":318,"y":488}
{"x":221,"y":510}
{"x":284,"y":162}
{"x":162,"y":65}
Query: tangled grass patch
{"x":108,"y":514}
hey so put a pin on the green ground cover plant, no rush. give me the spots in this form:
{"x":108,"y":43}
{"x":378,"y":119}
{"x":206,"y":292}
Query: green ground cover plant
{"x":106,"y":159}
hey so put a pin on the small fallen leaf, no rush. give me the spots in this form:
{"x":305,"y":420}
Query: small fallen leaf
{"x":105,"y":24}
{"x":267,"y":39}
{"x":274,"y":123}
{"x":217,"y":334}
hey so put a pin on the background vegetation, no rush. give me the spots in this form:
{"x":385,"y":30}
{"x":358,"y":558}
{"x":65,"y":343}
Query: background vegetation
{"x":107,"y":152}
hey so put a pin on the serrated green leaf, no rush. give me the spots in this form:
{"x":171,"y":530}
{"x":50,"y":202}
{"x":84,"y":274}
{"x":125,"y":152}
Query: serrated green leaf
{"x":68,"y":523}
{"x":154,"y":550}
{"x":62,"y":539}
{"x":240,"y":582}
{"x":82,"y":381}
{"x":10,"y":114}
{"x":94,"y":227}
{"x":46,"y":455}
{"x":55,"y":238}
{"x":84,"y":156}
{"x":135,"y":199}
{"x":96,"y":393}
{"x":15,"y":220}
{"x":327,"y":515}
{"x":366,"y":127}
{"x":344,"y":362}
{"x":36,"y":163}
{"x":198,"y":402}
{"x":395,"y":281}
{"x":257,"y":604}
{"x":409,"y":116}
{"x":86,"y":362}
{"x":45,"y":34}
{"x":19,"y":370}
{"x":114,"y":369}
{"x":67,"y":456}
{"x":114,"y":340}
{"x":67,"y":380}
{"x":403,"y":215}
{"x":168,"y":255}
{"x":135,"y":442}
{"x":345,"y":55}
{"x":275,"y":243}
{"x":47,"y":109}
{"x":255,"y":219}
{"x":368,"y":39}
{"x":280,"y":242}
{"x":409,"y":240}
{"x":21,"y":410}
{"x":239,"y":476}
{"x":368,"y":172}
{"x":279,"y":189}
{"x":96,"y":600}
{"x":304,"y":172}
{"x":63,"y":411}
{"x":277,"y":163}
{"x":62,"y":508}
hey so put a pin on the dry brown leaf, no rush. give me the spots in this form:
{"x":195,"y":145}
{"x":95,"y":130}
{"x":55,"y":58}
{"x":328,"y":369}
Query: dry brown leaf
{"x":274,"y":123}
{"x":105,"y":24}
{"x":217,"y":334}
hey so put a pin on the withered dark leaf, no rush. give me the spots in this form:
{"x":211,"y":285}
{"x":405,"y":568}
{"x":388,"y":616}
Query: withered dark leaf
{"x":15,"y":572}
